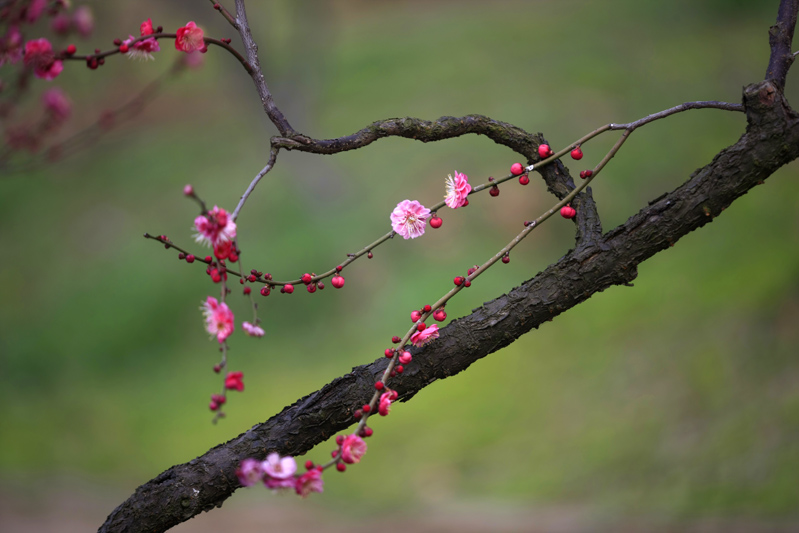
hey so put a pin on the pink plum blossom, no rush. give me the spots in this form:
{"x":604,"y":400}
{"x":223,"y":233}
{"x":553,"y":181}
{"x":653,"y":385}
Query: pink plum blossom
{"x":352,"y":449}
{"x":11,"y":46}
{"x":190,"y":38}
{"x":143,"y":49}
{"x":146,"y":27}
{"x":458,"y":189}
{"x":194,"y":60}
{"x":214,"y":227}
{"x":235,"y":380}
{"x":278,"y":467}
{"x":34,"y":10}
{"x":420,"y":338}
{"x":57,"y":103}
{"x":61,"y":24}
{"x":218,"y":318}
{"x":249,"y":472}
{"x":384,"y":406}
{"x":83,"y":19}
{"x":252,"y":330}
{"x":310,"y":481}
{"x":39,"y":55}
{"x":409,"y":219}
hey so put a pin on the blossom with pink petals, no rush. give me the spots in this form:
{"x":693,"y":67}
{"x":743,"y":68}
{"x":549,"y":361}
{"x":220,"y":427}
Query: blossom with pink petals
{"x":34,"y":10}
{"x":458,"y":189}
{"x":385,"y":402}
{"x":275,"y":484}
{"x":57,"y":103}
{"x":310,"y":481}
{"x":215,"y":226}
{"x":235,"y":380}
{"x":146,"y":27}
{"x":352,"y":449}
{"x":249,"y":472}
{"x":218,"y":318}
{"x":190,"y":38}
{"x":61,"y":24}
{"x":143,"y":49}
{"x":83,"y":19}
{"x":194,"y":60}
{"x":278,"y":467}
{"x":409,"y":219}
{"x":11,"y":46}
{"x":252,"y":330}
{"x":39,"y":55}
{"x":420,"y":338}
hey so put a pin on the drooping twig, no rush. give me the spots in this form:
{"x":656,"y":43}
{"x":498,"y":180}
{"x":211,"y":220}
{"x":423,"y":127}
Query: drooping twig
{"x":254,"y":182}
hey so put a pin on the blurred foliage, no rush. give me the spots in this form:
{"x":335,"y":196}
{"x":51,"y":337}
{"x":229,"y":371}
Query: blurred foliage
{"x":679,"y":397}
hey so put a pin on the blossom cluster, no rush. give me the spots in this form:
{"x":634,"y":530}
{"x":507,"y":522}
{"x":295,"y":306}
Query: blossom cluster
{"x":277,"y":473}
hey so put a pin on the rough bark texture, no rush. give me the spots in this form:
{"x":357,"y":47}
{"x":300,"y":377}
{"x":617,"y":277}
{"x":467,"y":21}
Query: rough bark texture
{"x":771,"y":140}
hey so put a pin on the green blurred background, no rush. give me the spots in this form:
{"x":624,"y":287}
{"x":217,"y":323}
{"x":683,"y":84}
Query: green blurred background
{"x":673,"y":402}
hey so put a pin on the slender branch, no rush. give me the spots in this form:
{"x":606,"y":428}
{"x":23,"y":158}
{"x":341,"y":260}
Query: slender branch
{"x":780,"y":39}
{"x":251,"y":49}
{"x":677,"y":109}
{"x":256,"y":179}
{"x":157,"y":36}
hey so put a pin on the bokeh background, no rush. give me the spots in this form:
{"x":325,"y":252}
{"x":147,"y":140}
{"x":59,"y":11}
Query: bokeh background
{"x":670,"y":405}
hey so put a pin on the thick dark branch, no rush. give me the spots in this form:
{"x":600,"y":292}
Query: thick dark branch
{"x":251,"y":49}
{"x":780,"y":38}
{"x":771,"y":141}
{"x":526,"y":144}
{"x":502,"y":133}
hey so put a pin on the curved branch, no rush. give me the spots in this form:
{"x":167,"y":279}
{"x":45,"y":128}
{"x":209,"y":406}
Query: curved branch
{"x":771,"y":141}
{"x":272,"y":111}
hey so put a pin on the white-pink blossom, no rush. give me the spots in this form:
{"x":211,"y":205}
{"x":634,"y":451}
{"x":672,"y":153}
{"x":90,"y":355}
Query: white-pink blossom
{"x":252,"y":330}
{"x":214,"y":227}
{"x":278,"y":467}
{"x":409,"y":219}
{"x":249,"y":472}
{"x":458,"y":189}
{"x":218,"y":318}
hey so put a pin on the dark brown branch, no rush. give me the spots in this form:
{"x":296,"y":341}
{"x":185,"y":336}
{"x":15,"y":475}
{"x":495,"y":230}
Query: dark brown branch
{"x":251,"y":49}
{"x":780,"y":38}
{"x":771,"y":141}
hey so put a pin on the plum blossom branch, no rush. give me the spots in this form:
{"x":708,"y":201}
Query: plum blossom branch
{"x":186,"y":490}
{"x":157,"y":36}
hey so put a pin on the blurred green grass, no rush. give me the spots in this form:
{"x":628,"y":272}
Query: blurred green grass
{"x":676,"y":397}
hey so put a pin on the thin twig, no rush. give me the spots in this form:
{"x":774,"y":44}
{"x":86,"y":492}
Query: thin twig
{"x":254,"y":182}
{"x":225,"y":13}
{"x":678,"y":109}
